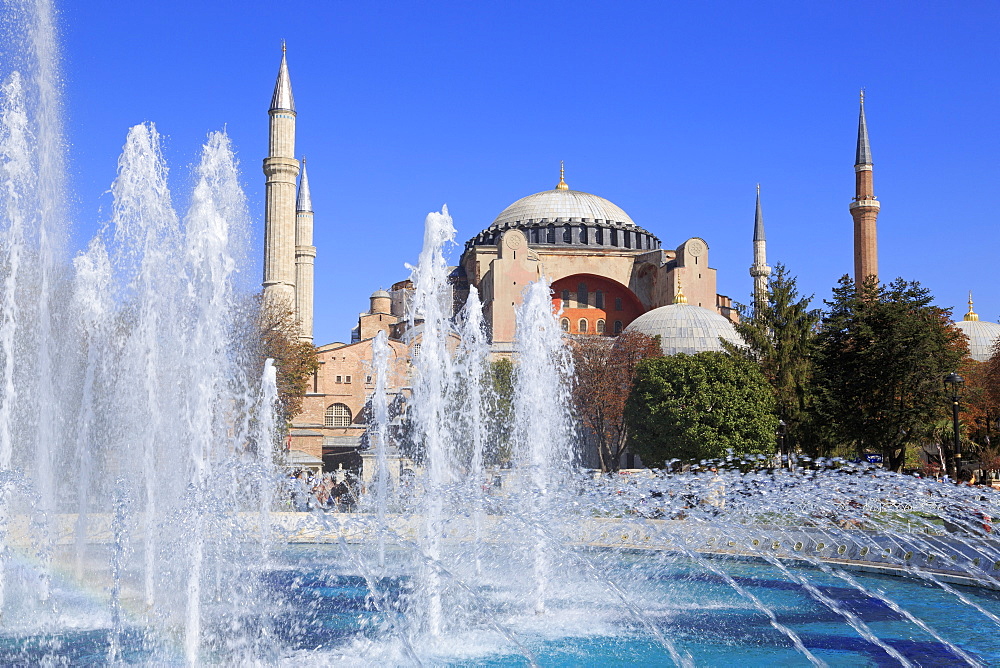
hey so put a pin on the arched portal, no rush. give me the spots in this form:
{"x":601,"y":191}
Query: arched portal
{"x":589,"y":301}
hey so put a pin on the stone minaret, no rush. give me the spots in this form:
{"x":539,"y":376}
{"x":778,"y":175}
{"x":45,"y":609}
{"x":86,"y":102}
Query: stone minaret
{"x":759,"y":269}
{"x":280,"y":168}
{"x":864,"y":208}
{"x":305,"y":257}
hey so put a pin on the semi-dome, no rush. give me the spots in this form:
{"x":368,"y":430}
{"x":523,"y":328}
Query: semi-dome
{"x":982,"y":335}
{"x":685,"y":328}
{"x":562,"y":205}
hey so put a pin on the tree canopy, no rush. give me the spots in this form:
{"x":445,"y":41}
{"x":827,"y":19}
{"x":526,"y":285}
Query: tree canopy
{"x":295,"y":360}
{"x":693,"y":407}
{"x":882,"y":354}
{"x":981,"y":403}
{"x":779,"y":333}
{"x":605,"y":370}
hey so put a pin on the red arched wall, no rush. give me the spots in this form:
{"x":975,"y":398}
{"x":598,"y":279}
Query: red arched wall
{"x":613,"y":292}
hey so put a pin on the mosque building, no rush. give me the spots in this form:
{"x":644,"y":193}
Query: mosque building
{"x":608,"y":275}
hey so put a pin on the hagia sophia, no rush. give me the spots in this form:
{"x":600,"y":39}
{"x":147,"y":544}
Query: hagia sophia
{"x":608,"y":275}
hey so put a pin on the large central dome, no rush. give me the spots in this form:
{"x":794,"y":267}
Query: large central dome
{"x":568,"y":218}
{"x":560,"y":205}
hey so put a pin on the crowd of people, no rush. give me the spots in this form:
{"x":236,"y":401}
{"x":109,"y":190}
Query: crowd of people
{"x":310,"y":491}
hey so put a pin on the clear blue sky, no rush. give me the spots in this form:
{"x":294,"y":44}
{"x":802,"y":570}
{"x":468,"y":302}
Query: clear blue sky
{"x":671,"y":110}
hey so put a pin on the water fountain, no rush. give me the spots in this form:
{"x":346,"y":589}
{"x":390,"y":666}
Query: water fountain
{"x":143,"y":517}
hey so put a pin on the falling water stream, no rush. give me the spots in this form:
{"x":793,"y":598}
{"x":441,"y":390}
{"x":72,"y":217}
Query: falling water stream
{"x":145,"y":516}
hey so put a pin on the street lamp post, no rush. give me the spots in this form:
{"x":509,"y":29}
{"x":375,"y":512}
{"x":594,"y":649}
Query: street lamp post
{"x":953,"y":385}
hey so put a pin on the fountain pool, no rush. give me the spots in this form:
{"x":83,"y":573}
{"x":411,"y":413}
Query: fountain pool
{"x":145,"y":515}
{"x":325,"y":611}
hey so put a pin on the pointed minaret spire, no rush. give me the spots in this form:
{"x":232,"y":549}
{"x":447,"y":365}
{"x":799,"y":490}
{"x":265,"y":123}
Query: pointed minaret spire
{"x":562,"y":177}
{"x":863,"y":155}
{"x":305,"y":258}
{"x":759,"y":269}
{"x":282,"y":98}
{"x":864,"y":207}
{"x":303,"y":203}
{"x":758,"y":220}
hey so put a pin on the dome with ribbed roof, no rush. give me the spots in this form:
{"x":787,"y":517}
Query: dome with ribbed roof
{"x":564,"y":217}
{"x":685,"y":328}
{"x":561,"y":206}
{"x":982,"y":335}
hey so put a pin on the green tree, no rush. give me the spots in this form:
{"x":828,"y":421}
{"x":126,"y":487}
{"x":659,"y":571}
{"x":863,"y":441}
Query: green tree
{"x":882,"y":354}
{"x":698,"y":407}
{"x":779,"y":334}
{"x":501,"y":409}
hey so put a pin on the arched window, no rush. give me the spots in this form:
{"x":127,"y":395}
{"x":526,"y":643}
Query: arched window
{"x":599,"y":298}
{"x":550,"y":233}
{"x":600,"y":327}
{"x":614,"y":237}
{"x":567,"y":234}
{"x":583,"y":325}
{"x":599,"y":237}
{"x":583,"y":234}
{"x":581,"y":295}
{"x":564,"y":323}
{"x":618,"y":327}
{"x":628,"y":238}
{"x":565,"y":298}
{"x":534,"y":235}
{"x":337,"y":415}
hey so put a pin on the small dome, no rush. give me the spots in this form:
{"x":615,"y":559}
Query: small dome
{"x":380,"y":294}
{"x":982,"y":336}
{"x":685,"y":328}
{"x":562,"y":205}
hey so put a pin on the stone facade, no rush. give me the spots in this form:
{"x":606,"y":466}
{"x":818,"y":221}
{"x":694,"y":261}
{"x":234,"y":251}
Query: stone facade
{"x":333,"y":418}
{"x":614,"y":261}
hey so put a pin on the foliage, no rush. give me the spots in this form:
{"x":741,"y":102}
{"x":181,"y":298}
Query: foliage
{"x":295,"y":360}
{"x":882,"y":354}
{"x":779,"y":335}
{"x":981,"y":401}
{"x":502,"y":411}
{"x":605,"y":370}
{"x":989,"y":459}
{"x":698,"y":407}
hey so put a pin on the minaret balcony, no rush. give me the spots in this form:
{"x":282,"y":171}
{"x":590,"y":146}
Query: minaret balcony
{"x":866,"y":204}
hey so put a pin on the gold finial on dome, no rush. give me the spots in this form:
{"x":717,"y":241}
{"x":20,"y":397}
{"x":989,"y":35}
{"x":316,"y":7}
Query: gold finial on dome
{"x":562,"y":177}
{"x":679,"y":298}
{"x":971,"y":315}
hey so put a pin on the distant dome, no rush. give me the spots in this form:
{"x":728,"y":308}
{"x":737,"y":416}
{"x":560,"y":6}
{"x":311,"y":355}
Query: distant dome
{"x":380,"y":294}
{"x":982,"y":335}
{"x":685,"y":328}
{"x":561,"y":205}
